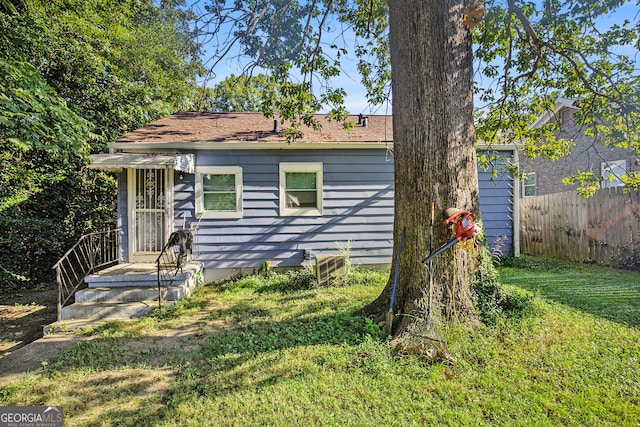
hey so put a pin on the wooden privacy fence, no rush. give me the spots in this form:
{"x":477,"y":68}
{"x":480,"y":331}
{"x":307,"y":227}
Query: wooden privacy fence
{"x":603,"y":228}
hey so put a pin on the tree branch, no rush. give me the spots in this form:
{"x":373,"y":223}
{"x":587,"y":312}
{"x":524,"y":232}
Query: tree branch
{"x":540,"y":45}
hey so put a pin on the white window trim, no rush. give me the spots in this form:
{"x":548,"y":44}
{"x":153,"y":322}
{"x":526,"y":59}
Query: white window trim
{"x":622,"y":164}
{"x":315,"y":167}
{"x":222,"y":170}
{"x":534,"y":185}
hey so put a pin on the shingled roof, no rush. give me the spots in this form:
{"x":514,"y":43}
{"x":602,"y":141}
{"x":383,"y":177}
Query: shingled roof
{"x":189,"y":127}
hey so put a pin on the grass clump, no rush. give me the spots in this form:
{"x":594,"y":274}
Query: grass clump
{"x":302,"y":279}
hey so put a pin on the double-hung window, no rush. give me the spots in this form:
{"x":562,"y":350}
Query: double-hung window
{"x":301,"y":189}
{"x":529,"y":184}
{"x":219,"y":192}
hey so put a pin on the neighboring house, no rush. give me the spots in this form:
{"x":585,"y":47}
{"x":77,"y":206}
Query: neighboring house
{"x":252,"y":197}
{"x":543,"y":176}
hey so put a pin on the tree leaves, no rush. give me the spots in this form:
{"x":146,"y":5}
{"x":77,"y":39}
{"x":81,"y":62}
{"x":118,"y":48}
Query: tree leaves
{"x":33,"y":119}
{"x":527,"y":54}
{"x":301,"y":45}
{"x":75,"y":75}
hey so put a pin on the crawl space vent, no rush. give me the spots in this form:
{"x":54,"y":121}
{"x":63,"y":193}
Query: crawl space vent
{"x":329,"y":267}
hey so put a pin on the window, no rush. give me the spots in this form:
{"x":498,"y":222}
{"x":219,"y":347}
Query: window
{"x":301,"y":189}
{"x":612,"y":173}
{"x":529,"y":184}
{"x":219,"y":192}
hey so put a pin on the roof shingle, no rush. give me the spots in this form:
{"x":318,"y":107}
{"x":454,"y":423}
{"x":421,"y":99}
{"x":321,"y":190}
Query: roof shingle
{"x":247,"y":127}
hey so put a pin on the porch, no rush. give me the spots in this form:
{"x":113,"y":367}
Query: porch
{"x":126,"y":291}
{"x":94,"y":286}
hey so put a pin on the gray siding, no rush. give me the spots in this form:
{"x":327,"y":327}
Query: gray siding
{"x":357,"y":208}
{"x":496,"y":205}
{"x":123,"y":216}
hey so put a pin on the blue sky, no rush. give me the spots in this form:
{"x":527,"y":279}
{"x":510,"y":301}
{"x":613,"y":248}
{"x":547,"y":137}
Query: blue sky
{"x":350,"y":80}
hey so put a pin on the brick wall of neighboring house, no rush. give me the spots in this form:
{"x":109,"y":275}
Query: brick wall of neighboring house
{"x":586,"y":156}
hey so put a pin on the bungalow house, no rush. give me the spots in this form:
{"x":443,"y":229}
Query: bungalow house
{"x":253,"y":197}
{"x":543,"y":176}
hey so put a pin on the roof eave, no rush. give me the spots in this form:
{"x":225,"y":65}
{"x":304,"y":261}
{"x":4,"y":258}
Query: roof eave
{"x":548,"y":116}
{"x":246,"y":145}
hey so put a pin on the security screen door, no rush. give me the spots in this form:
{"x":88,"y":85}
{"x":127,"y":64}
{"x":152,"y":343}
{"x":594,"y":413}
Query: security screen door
{"x":149,"y":214}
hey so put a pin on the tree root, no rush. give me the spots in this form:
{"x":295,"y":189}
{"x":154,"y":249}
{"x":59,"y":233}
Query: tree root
{"x":432,"y":351}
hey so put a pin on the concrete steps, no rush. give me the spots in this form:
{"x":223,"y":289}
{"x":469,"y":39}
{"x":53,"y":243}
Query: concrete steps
{"x":128,"y":294}
{"x":107,"y":310}
{"x":128,"y":291}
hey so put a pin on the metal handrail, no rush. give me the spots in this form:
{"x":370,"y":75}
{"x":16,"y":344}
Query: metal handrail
{"x":93,"y":252}
{"x":169,"y":263}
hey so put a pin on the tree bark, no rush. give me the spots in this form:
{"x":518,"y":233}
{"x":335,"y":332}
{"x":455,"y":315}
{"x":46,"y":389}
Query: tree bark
{"x":434,"y":155}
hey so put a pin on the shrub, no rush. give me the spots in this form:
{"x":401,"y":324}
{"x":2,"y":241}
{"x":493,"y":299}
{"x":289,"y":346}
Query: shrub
{"x":491,"y":299}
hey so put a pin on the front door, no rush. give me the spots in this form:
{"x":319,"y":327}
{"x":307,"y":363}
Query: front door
{"x":150,"y":199}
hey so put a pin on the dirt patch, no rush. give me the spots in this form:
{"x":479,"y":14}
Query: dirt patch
{"x":23,"y":315}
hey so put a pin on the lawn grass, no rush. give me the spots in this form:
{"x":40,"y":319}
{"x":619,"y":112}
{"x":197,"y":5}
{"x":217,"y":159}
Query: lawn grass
{"x":258,"y":353}
{"x":605,"y":292}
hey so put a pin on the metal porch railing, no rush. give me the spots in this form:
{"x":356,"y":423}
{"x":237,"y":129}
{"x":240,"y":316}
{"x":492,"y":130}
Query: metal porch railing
{"x":175,"y":254}
{"x":93,"y":252}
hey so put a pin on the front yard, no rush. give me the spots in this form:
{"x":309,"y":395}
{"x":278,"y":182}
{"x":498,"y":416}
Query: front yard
{"x":256,"y":352}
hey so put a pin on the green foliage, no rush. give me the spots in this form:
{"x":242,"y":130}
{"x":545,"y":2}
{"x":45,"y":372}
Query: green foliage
{"x":362,"y":277}
{"x":39,"y":134}
{"x":74,"y":75}
{"x":253,"y":339}
{"x":35,"y":232}
{"x":239,"y":94}
{"x":303,"y":359}
{"x":301,"y":279}
{"x":530,"y":54}
{"x":290,"y":281}
{"x":43,"y":143}
{"x":527,"y":54}
{"x":288,"y":41}
{"x":491,"y":299}
{"x":588,"y":182}
{"x":125,"y":65}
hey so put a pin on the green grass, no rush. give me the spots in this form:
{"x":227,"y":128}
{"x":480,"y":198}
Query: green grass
{"x":257,"y":353}
{"x":604,"y":292}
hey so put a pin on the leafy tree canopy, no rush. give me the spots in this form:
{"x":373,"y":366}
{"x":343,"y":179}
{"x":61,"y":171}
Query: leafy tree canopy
{"x":239,"y":93}
{"x":127,"y":63}
{"x":74,"y":75}
{"x":527,"y":53}
{"x":34,"y":123}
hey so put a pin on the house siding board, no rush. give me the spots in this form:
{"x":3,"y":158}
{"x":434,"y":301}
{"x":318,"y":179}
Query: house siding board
{"x":183,"y":200}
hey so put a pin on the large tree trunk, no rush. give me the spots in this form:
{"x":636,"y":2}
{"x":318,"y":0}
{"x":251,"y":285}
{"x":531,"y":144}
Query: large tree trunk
{"x":435,"y":157}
